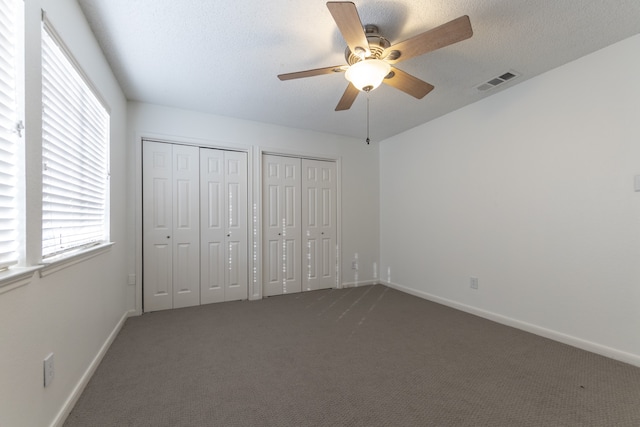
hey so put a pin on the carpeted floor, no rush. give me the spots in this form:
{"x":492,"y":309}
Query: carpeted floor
{"x":367,"y":356}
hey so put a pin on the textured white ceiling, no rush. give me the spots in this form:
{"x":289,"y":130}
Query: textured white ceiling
{"x":223,"y":56}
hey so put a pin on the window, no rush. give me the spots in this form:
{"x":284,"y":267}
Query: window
{"x":10,"y":130}
{"x":75,"y":135}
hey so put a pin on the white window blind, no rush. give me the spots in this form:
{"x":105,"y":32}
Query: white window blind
{"x":8,"y":135}
{"x":75,"y":135}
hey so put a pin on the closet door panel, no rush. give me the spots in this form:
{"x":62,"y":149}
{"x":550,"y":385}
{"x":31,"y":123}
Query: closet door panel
{"x":319,"y":216}
{"x":186,"y":226}
{"x":327,"y":253}
{"x":272,"y":225}
{"x":311,"y":259}
{"x":212,"y":226}
{"x":236,"y":273}
{"x":281,"y":225}
{"x":272,"y":253}
{"x":224,"y":275}
{"x":157,"y":226}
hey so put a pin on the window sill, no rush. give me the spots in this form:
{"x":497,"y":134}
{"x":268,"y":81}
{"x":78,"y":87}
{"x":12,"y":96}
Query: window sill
{"x":16,"y":277}
{"x":51,"y":266}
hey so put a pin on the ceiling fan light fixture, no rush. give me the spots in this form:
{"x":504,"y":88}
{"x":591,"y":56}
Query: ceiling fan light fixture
{"x":367,"y":75}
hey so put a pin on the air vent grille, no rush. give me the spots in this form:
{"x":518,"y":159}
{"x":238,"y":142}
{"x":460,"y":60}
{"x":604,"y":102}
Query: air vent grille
{"x":498,"y":80}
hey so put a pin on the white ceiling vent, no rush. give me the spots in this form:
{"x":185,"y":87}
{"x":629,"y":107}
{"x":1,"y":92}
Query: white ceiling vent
{"x":498,"y":80}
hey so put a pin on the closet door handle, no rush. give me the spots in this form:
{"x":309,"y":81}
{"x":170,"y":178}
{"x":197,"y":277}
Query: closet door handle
{"x":168,"y":237}
{"x":229,"y":235}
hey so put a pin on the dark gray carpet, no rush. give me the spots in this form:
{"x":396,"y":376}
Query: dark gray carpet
{"x":368,"y":356}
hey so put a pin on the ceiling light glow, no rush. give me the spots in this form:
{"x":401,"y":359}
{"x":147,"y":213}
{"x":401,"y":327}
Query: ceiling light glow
{"x":368,"y":74}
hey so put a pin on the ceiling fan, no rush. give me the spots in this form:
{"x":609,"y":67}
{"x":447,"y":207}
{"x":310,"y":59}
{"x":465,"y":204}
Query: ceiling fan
{"x":370,"y":57}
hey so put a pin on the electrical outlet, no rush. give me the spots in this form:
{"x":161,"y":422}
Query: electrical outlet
{"x":474,"y":283}
{"x":48,"y":369}
{"x":354,"y":265}
{"x":131,"y":280}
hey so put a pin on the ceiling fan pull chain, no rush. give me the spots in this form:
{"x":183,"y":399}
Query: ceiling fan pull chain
{"x":368,"y":119}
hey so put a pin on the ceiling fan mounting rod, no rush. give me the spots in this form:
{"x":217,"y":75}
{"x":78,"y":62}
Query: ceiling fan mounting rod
{"x":371,"y":30}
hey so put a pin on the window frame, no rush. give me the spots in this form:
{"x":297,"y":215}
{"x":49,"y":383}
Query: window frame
{"x":55,"y":261}
{"x":20,"y":273}
{"x":13,"y":138}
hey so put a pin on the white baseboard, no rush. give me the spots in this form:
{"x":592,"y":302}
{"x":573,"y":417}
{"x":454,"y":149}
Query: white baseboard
{"x":362,"y":283}
{"x":602,"y":350}
{"x":84,"y":380}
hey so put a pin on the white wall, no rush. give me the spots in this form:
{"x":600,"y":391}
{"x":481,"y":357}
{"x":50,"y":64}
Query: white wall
{"x":531,"y":191}
{"x":72,"y":312}
{"x":359,"y":172}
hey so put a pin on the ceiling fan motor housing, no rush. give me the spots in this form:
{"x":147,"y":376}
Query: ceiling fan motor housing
{"x":377,"y":44}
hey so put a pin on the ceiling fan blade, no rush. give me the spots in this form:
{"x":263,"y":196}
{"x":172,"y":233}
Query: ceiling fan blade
{"x":311,"y":73}
{"x":347,"y":99}
{"x":446,"y":34}
{"x":348,"y":21}
{"x":408,"y":83}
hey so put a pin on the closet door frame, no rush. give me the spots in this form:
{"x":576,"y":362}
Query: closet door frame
{"x":255,"y":276}
{"x":135,"y":281}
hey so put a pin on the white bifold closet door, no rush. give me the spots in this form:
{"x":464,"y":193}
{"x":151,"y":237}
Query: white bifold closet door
{"x":319,"y":214}
{"x":171,"y":241}
{"x":194,"y":225}
{"x":223,"y":225}
{"x":282,"y":241}
{"x":299,"y":224}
